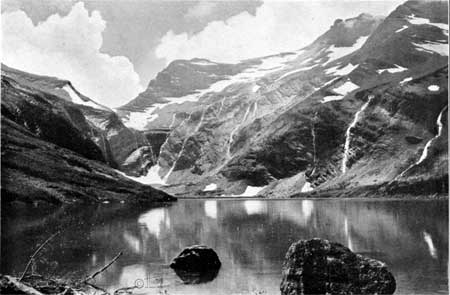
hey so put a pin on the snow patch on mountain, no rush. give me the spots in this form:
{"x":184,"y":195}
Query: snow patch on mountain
{"x":432,"y":47}
{"x":396,"y":69}
{"x":335,"y":53}
{"x":210,"y":187}
{"x":135,"y":155}
{"x":425,"y":21}
{"x":100,"y":123}
{"x":152,"y":176}
{"x":78,"y":100}
{"x":267,"y":65}
{"x":433,"y":88}
{"x":331,"y":81}
{"x":402,"y":29}
{"x":331,"y":98}
{"x":203,"y":63}
{"x":342,"y":91}
{"x":346,"y":88}
{"x":306,"y":187}
{"x":138,"y":120}
{"x":251,"y":191}
{"x":406,"y":80}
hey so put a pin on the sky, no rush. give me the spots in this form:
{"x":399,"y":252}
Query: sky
{"x":110,"y":50}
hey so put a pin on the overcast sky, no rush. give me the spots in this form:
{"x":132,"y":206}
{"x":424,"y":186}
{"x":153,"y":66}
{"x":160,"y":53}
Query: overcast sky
{"x":111,"y":49}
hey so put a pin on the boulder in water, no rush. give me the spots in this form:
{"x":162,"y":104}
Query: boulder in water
{"x":318,"y":266}
{"x":196,"y":264}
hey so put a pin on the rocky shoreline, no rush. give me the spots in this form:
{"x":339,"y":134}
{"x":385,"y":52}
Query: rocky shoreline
{"x":315,"y":266}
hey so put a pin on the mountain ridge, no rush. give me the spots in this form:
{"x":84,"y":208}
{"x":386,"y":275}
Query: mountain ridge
{"x":361,"y":108}
{"x":337,"y":68}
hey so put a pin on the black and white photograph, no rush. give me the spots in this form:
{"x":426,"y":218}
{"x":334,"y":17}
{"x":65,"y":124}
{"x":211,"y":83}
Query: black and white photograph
{"x":234,"y":147}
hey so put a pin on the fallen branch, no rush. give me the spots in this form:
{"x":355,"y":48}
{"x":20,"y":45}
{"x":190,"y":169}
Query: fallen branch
{"x":125,"y":290}
{"x":17,"y":287}
{"x":35,"y":253}
{"x":103,"y":268}
{"x":97,"y":288}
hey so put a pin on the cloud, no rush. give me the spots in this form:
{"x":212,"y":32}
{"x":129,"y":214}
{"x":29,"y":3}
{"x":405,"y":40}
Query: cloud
{"x":69,"y":48}
{"x":277,"y":26}
{"x":201,"y":9}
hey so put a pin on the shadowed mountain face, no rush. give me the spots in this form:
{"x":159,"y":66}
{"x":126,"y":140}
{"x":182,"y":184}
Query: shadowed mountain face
{"x":121,"y":147}
{"x":362,"y":106}
{"x":51,"y":150}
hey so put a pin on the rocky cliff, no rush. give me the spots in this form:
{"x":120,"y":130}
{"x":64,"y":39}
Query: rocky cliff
{"x":362,"y":106}
{"x":51,"y":150}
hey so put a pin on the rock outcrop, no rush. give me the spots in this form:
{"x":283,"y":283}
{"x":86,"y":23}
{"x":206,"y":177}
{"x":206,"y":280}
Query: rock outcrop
{"x":318,"y":266}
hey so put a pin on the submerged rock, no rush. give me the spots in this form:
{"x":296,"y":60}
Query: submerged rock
{"x":319,"y":266}
{"x":196,"y":264}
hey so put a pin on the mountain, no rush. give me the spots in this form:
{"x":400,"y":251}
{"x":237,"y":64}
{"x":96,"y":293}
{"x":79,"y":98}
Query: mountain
{"x":361,"y":111}
{"x":121,"y":147}
{"x":58,"y":146}
{"x":363,"y":108}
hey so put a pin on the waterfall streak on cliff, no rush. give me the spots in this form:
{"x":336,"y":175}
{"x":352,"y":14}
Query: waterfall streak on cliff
{"x":174,"y":117}
{"x":230,"y":140}
{"x":424,"y":154}
{"x":313,"y":133}
{"x":428,"y":144}
{"x":348,"y":134}
{"x":221,"y":107}
{"x":255,"y":110}
{"x":166,"y":177}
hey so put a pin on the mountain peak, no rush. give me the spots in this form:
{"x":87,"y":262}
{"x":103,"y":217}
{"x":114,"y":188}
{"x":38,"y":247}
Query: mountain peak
{"x":344,"y":33}
{"x":434,"y":10}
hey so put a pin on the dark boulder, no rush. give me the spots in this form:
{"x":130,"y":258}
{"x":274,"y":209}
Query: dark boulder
{"x":318,"y":266}
{"x":196,"y":264}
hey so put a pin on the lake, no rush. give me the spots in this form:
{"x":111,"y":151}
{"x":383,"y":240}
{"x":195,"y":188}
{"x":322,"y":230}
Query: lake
{"x":250,"y":236}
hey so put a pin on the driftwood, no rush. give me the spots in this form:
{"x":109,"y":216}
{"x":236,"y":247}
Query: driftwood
{"x":97,"y":288}
{"x":103,"y":268}
{"x":125,"y":290}
{"x":14,"y":285}
{"x":35,"y":253}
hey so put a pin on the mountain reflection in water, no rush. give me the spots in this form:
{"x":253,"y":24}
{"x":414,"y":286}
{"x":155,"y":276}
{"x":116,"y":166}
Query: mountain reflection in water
{"x":250,"y":236}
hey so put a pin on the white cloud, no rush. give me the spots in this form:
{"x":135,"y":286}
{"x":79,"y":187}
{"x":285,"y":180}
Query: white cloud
{"x":69,"y":48}
{"x":276,"y":26}
{"x":201,"y":9}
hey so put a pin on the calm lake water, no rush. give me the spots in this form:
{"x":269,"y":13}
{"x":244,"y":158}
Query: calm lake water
{"x":251,"y":238}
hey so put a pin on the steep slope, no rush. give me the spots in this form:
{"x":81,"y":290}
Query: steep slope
{"x":48,"y":154}
{"x":315,"y":119}
{"x":122,"y":148}
{"x":207,"y":119}
{"x":405,"y":91}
